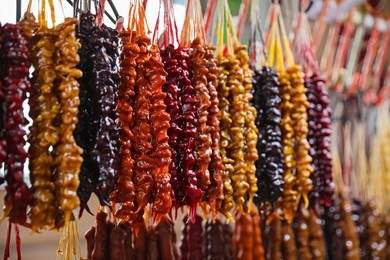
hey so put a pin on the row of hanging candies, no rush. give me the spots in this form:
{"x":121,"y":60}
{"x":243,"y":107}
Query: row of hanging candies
{"x":177,"y":125}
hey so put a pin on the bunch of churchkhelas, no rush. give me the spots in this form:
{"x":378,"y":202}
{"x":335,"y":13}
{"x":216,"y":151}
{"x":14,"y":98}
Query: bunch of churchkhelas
{"x":233,"y":145}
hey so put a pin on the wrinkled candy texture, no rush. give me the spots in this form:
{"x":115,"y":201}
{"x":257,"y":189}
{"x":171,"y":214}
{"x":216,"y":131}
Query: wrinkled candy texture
{"x":15,"y":84}
{"x":124,"y":192}
{"x":214,"y":193}
{"x":44,"y":134}
{"x":269,"y":166}
{"x":97,"y":132}
{"x":319,"y":137}
{"x":181,"y":105}
{"x":67,"y":153}
{"x":192,"y":239}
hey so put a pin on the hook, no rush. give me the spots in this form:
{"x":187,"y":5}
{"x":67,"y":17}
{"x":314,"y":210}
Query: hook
{"x":18,"y":10}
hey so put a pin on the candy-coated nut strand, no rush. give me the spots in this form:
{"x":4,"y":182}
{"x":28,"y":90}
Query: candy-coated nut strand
{"x":124,"y":192}
{"x":228,"y":241}
{"x":29,"y":26}
{"x":159,"y":118}
{"x":143,"y":148}
{"x":258,"y":247}
{"x":333,"y":229}
{"x":198,"y":73}
{"x":376,"y":243}
{"x":186,"y":153}
{"x":317,"y":243}
{"x":167,"y":239}
{"x":214,"y":194}
{"x":225,"y":123}
{"x":301,"y":128}
{"x":290,"y":194}
{"x":184,"y":235}
{"x":85,"y":131}
{"x":243,"y":237}
{"x":302,"y":234}
{"x":102,"y":236}
{"x":319,"y":119}
{"x":44,"y":108}
{"x":117,"y":243}
{"x":173,"y":103}
{"x":15,"y":84}
{"x":236,"y":144}
{"x":274,"y":238}
{"x":3,"y":142}
{"x":214,"y":240}
{"x":130,"y":250}
{"x":90,"y":237}
{"x":359,"y":216}
{"x":104,"y":80}
{"x":350,"y":237}
{"x":269,"y":166}
{"x":153,"y":247}
{"x":192,"y":239}
{"x":181,"y":104}
{"x":289,"y":249}
{"x":251,"y":131}
{"x":68,"y":158}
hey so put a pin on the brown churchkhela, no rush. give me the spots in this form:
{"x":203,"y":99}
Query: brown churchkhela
{"x":247,"y":238}
{"x":243,"y":238}
{"x":101,"y":241}
{"x":167,"y":239}
{"x":67,"y":153}
{"x":90,"y":237}
{"x":258,"y":248}
{"x":43,"y":134}
{"x":350,"y":237}
{"x":274,"y":238}
{"x":289,"y":249}
{"x":302,"y":234}
{"x":118,"y":241}
{"x":317,"y":243}
{"x":215,"y":192}
{"x":376,"y":232}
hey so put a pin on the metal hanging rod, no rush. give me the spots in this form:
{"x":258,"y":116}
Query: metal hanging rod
{"x":109,"y":16}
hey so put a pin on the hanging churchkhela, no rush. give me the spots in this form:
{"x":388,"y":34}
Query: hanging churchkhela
{"x":97,"y":131}
{"x":237,"y":119}
{"x":203,"y":69}
{"x":146,"y":128}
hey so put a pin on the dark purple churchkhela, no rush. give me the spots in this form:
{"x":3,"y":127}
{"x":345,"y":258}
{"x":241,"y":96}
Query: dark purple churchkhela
{"x":97,"y":130}
{"x":332,"y":229}
{"x":104,"y":89}
{"x":85,"y":131}
{"x":269,"y":166}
